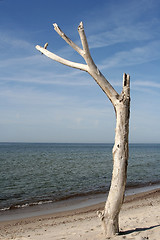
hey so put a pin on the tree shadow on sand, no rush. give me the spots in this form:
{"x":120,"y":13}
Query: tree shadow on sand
{"x":137,"y":230}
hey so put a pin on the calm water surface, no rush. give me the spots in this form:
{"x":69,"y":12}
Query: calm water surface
{"x":34,"y":173}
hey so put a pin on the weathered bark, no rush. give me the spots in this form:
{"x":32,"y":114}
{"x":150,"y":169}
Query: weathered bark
{"x":121,"y":104}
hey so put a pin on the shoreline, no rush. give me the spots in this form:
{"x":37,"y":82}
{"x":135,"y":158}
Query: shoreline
{"x":139,"y":216}
{"x":70,"y":204}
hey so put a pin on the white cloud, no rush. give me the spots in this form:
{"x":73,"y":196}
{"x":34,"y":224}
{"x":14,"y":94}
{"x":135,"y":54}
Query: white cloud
{"x":19,"y":61}
{"x":149,"y":84}
{"x":29,"y":97}
{"x":13,"y":47}
{"x":71,"y":78}
{"x":120,"y":34}
{"x":10,"y":40}
{"x":137,"y":55}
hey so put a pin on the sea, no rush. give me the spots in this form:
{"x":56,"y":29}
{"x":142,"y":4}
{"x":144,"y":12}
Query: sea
{"x":39,"y":173}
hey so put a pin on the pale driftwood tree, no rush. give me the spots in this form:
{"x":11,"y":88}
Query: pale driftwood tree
{"x":121,"y":103}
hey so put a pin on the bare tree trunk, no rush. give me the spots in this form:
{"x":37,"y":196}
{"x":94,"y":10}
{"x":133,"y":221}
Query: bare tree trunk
{"x":121,"y":104}
{"x":110,"y":215}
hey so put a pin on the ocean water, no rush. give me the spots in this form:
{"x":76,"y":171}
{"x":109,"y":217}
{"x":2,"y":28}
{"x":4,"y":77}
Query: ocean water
{"x":37,"y":173}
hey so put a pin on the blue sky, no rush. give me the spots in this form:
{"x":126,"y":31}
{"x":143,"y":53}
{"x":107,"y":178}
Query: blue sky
{"x":44,"y":101}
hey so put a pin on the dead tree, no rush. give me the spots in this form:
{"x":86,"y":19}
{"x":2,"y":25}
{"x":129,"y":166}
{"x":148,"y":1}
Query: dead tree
{"x":121,"y":103}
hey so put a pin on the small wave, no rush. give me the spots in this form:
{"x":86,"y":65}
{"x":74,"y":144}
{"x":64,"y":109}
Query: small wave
{"x":5,"y":209}
{"x":26,"y":205}
{"x":75,"y":195}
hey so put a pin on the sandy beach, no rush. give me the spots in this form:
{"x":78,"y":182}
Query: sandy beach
{"x":139,"y":219}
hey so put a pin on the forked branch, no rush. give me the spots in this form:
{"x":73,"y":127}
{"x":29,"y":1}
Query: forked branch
{"x":68,"y":40}
{"x":89,"y":67}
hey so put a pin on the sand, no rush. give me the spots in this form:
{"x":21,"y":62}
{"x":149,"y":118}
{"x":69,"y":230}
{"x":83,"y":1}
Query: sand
{"x":139,"y":219}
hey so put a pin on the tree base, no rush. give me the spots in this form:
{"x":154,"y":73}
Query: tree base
{"x":110,"y":226}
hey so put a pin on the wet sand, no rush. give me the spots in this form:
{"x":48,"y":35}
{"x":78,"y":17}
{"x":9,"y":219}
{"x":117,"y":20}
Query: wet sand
{"x":139,"y":219}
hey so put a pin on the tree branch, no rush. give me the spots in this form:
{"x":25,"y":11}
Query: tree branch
{"x":91,"y":68}
{"x":68,"y":40}
{"x":84,"y":42}
{"x":56,"y":58}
